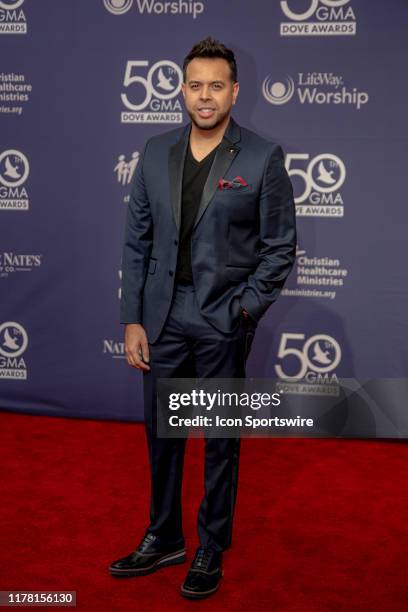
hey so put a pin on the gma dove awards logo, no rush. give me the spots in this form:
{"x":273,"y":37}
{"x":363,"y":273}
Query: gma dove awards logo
{"x":13,"y":343}
{"x":307,"y":365}
{"x":12,"y":17}
{"x":14,"y":171}
{"x":317,"y":183}
{"x":160,"y":87}
{"x":319,"y":18}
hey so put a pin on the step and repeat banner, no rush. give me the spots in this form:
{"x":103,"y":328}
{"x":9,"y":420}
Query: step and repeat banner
{"x":83,"y":84}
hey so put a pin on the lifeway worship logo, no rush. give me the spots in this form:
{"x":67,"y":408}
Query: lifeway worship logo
{"x":161,"y":87}
{"x":12,"y":17}
{"x":317,"y":184}
{"x":311,"y":366}
{"x":191,"y":8}
{"x":14,"y":171}
{"x":316,"y":277}
{"x":18,"y":262}
{"x":321,"y":18}
{"x":13,"y":343}
{"x":322,"y":88}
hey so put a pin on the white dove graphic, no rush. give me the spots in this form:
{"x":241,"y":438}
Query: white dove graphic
{"x":319,"y":355}
{"x":9,"y":342}
{"x":325,"y":176}
{"x":164,"y":82}
{"x":11,"y":170}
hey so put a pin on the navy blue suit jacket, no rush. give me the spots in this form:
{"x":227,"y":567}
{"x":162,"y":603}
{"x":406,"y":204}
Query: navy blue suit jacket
{"x":243,"y":242}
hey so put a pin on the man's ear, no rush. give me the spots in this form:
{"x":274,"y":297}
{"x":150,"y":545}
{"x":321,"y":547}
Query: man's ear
{"x":235,"y":90}
{"x":183,"y":89}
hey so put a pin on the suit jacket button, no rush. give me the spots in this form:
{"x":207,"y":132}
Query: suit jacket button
{"x":176,"y":242}
{"x":171,"y":272}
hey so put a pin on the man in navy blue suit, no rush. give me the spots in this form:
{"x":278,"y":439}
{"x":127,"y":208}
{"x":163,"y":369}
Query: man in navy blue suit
{"x":210,"y":240}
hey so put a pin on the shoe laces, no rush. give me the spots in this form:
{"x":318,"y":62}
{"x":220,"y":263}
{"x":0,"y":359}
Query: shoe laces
{"x":149,"y":537}
{"x":202,"y":558}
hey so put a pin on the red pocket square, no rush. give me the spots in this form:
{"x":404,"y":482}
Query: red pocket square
{"x":237,"y":183}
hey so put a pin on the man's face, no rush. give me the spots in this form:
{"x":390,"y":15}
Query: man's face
{"x":209,"y":92}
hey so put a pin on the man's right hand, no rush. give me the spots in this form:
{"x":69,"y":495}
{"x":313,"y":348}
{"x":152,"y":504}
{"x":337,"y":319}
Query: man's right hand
{"x":136,"y":346}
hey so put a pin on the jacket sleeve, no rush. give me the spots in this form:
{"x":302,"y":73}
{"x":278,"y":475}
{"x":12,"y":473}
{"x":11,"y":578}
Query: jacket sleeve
{"x":136,"y":248}
{"x":277,"y":233}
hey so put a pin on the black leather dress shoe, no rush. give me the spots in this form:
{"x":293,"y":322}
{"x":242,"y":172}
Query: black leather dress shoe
{"x":204,"y":576}
{"x":147,"y":558}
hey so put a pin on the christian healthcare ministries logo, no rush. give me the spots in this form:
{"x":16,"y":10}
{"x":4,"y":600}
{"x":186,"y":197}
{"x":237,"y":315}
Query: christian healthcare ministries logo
{"x":312,"y":88}
{"x":12,"y":17}
{"x":192,"y":8}
{"x":15,"y":92}
{"x":321,"y":18}
{"x":14,"y":171}
{"x":317,"y":184}
{"x":125,"y":169}
{"x":13,"y":343}
{"x":308,"y":366}
{"x":160,"y":88}
{"x":315,"y":277}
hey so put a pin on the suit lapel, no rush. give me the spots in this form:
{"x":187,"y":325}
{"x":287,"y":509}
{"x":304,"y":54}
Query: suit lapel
{"x":224,"y":157}
{"x":177,"y":156}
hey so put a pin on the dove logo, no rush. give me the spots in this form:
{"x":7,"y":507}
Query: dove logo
{"x":118,"y":7}
{"x":323,"y":353}
{"x":14,"y":168}
{"x":312,"y":361}
{"x":317,"y":183}
{"x":160,"y":88}
{"x":14,"y":171}
{"x":320,"y":18}
{"x":12,"y":17}
{"x":325,"y":176}
{"x":13,"y":343}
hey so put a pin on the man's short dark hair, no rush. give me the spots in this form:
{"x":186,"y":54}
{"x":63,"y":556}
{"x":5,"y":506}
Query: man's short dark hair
{"x":209,"y":47}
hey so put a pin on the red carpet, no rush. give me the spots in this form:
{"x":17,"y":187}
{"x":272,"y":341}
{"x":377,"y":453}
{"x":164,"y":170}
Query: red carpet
{"x":320,"y":524}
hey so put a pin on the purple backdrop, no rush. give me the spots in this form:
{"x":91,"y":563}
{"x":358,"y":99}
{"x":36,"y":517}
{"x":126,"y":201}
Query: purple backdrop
{"x":84,"y":84}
